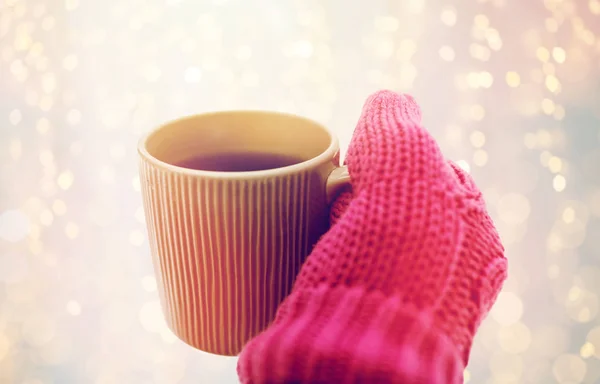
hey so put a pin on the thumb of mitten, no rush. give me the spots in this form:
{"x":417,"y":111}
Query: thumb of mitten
{"x":402,"y":107}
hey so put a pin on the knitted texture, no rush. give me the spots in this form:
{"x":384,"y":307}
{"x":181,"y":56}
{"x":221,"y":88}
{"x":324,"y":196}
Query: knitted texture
{"x":396,"y":289}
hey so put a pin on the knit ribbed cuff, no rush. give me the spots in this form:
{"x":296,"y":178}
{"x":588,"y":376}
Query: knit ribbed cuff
{"x":346,"y":335}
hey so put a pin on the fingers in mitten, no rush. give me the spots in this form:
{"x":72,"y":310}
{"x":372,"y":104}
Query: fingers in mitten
{"x":464,"y":179}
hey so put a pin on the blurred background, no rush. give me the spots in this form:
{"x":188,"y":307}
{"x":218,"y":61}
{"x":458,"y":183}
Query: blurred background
{"x":510,"y":88}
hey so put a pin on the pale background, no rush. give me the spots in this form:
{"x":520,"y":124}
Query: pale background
{"x":510,"y":88}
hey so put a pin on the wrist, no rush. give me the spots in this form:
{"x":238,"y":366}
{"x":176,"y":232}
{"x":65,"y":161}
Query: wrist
{"x":354,"y":335}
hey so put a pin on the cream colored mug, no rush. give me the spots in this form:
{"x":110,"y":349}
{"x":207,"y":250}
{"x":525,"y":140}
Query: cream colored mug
{"x":227,"y":245}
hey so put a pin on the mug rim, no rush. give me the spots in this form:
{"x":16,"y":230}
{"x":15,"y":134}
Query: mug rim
{"x":327,"y":155}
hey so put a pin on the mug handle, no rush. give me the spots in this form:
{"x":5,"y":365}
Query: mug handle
{"x":337,"y":180}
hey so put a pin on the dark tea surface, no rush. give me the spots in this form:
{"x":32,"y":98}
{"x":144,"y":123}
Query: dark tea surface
{"x":238,"y":162}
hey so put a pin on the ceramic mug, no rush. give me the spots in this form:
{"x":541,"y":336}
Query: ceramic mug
{"x":227,"y":246}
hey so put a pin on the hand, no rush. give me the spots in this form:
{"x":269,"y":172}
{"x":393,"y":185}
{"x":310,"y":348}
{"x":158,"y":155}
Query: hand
{"x":396,"y":289}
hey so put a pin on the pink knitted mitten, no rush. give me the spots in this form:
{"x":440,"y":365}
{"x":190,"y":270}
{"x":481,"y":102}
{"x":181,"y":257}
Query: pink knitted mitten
{"x":396,"y":289}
